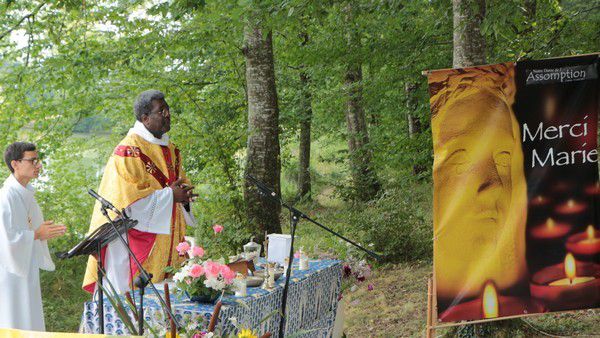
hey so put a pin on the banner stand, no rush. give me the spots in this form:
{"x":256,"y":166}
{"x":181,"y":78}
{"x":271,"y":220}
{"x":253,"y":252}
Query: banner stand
{"x":431,"y":311}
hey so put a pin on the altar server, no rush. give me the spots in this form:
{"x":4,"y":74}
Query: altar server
{"x":23,"y":242}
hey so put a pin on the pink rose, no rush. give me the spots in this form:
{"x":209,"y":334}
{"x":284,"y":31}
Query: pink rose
{"x":297,"y":254}
{"x":217,"y":228}
{"x":227,"y":274}
{"x":212,"y":269}
{"x":182,"y":248}
{"x":197,"y":252}
{"x":196,"y":271}
{"x":188,"y":281}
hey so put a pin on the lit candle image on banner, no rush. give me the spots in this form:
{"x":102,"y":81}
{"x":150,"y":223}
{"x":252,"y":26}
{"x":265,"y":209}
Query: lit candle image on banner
{"x":585,"y":245}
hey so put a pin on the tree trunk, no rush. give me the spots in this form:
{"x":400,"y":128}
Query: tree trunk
{"x":530,"y":9}
{"x":263,"y":157}
{"x":366,"y":184}
{"x":469,"y":50}
{"x":469,"y":43}
{"x":414,"y":124}
{"x":304,"y":186}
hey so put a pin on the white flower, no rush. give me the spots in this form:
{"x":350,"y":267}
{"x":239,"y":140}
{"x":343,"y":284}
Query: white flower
{"x":179,"y":276}
{"x":233,"y":321}
{"x":215,"y":283}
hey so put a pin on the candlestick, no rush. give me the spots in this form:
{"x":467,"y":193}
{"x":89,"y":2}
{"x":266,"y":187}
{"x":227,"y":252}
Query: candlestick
{"x":303,"y":265}
{"x":240,"y":286}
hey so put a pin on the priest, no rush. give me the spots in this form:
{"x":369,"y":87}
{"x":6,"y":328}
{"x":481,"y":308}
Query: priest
{"x":23,"y":242}
{"x":144,"y":176}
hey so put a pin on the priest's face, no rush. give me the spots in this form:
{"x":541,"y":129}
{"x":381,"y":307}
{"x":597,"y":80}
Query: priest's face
{"x":29,"y":166}
{"x":158,"y":122}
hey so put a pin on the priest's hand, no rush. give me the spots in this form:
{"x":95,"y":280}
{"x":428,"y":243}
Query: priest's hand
{"x":182,"y":193}
{"x":48,"y":230}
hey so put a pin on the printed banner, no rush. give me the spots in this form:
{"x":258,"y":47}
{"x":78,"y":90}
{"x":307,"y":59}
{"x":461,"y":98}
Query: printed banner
{"x":516,"y":209}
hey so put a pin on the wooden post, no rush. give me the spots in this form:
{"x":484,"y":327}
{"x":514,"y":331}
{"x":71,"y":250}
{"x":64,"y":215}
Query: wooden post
{"x":173,"y":329}
{"x":215,"y":316}
{"x":430,"y":331}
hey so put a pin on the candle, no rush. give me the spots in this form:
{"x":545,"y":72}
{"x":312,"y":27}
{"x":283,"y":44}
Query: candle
{"x":593,"y":189}
{"x":571,"y":273}
{"x":490,"y":305}
{"x":240,"y":286}
{"x":539,"y":201}
{"x":569,"y":285}
{"x":303,"y":263}
{"x":584,"y":243}
{"x":570,"y":207}
{"x":271,"y":278}
{"x":302,"y":260}
{"x":550,"y":230}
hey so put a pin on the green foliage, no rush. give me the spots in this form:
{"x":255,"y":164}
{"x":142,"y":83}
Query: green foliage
{"x":227,"y":243}
{"x":398,"y":224}
{"x":69,"y":83}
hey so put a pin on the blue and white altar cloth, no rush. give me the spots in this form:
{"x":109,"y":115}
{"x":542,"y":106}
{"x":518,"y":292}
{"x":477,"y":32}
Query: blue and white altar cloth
{"x":311,"y":306}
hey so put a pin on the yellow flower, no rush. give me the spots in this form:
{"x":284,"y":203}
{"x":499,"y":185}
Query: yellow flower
{"x":246,"y":333}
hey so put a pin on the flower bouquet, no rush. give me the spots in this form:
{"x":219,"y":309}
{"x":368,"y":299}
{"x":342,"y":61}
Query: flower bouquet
{"x":200,"y":280}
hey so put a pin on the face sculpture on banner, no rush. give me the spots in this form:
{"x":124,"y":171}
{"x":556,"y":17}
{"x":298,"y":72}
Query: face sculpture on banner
{"x":479,"y":185}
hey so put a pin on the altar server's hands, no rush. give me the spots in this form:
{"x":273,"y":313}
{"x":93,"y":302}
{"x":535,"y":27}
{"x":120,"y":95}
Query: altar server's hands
{"x":48,"y":230}
{"x":182,"y":193}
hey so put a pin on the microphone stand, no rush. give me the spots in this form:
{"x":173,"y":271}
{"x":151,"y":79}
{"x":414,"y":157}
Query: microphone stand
{"x":143,"y":278}
{"x":295,"y":216}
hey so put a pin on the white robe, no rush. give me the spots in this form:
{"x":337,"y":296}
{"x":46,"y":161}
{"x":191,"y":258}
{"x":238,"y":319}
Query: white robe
{"x":153,"y":214}
{"x":21,"y":257}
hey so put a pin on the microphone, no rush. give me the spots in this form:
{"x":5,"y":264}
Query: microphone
{"x":106,"y":204}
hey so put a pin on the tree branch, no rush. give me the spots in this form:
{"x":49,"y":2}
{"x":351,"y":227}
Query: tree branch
{"x":8,"y":31}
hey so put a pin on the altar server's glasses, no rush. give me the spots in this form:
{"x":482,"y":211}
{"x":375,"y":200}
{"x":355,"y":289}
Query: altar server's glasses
{"x":35,"y":161}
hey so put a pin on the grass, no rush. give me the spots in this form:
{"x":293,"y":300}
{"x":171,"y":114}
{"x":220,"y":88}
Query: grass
{"x":397,"y":307}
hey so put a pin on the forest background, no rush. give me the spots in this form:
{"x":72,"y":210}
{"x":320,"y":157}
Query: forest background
{"x":323,"y":100}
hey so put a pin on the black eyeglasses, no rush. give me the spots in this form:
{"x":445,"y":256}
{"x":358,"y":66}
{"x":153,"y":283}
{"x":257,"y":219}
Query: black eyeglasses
{"x":35,"y":161}
{"x":165,"y":112}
